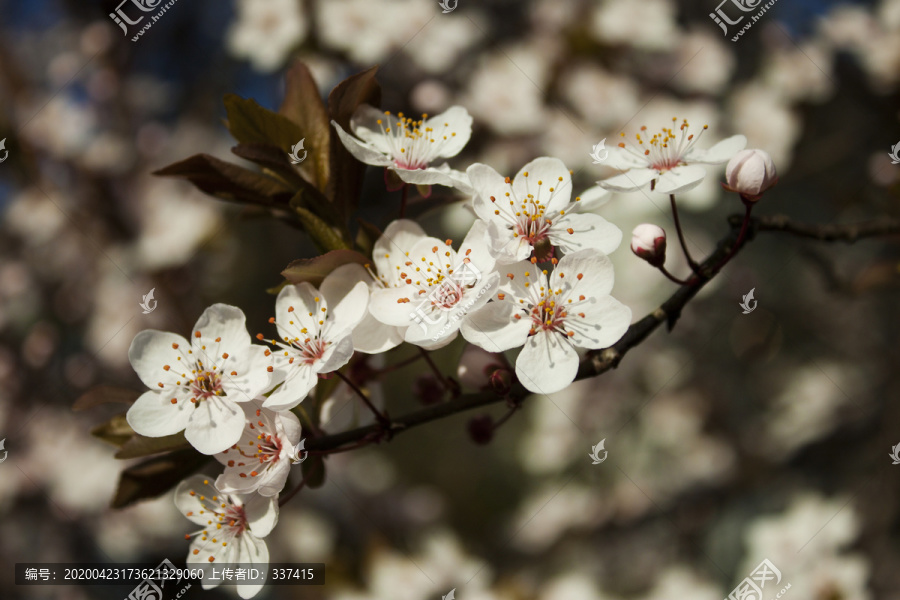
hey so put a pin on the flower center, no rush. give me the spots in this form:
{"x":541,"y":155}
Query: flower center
{"x":262,"y":451}
{"x":226,"y":520}
{"x":548,"y":314}
{"x":207,"y":384}
{"x":664,"y":150}
{"x":310,"y":349}
{"x":412,"y":144}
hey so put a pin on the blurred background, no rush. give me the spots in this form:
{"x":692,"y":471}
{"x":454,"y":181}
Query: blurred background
{"x":733,"y":439}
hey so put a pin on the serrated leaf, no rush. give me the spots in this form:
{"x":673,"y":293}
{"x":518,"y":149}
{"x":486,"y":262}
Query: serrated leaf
{"x":140,"y":445}
{"x":105,"y":394}
{"x":314,"y":270}
{"x":347,"y":172}
{"x":303,"y":105}
{"x":229,"y":182}
{"x":250,"y":123}
{"x":322,"y":234}
{"x":156,"y":476}
{"x":115,"y":431}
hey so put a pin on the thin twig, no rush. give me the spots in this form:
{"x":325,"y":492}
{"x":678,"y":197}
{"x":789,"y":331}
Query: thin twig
{"x":382,"y":420}
{"x":691,"y":262}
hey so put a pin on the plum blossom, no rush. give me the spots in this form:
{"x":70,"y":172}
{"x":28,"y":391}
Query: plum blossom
{"x":668,"y":161}
{"x":261,"y":460}
{"x":315,"y":328}
{"x":551,"y":315}
{"x":410,"y":147}
{"x":648,"y":241}
{"x":430,"y":288}
{"x":196,"y":386}
{"x":750,"y":173}
{"x":232,"y":528}
{"x":534,"y":212}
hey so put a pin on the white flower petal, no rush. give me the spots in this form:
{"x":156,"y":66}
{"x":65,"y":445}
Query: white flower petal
{"x":548,"y":363}
{"x":225,"y":322}
{"x":505,"y":248}
{"x":261,"y":513}
{"x":629,"y":181}
{"x":440,"y":175}
{"x":151,"y":350}
{"x":364,"y":125}
{"x":374,"y":337}
{"x":154,"y":415}
{"x":347,"y":302}
{"x":395,"y":306}
{"x":454,"y":120}
{"x":719,"y":153}
{"x":591,"y":199}
{"x":252,"y":551}
{"x":190,"y":505}
{"x":588,"y":231}
{"x":680,"y":179}
{"x":476,"y":248}
{"x":339,"y":355}
{"x":390,"y":249}
{"x":215,"y":425}
{"x":292,"y":308}
{"x":299,"y":380}
{"x":621,"y":159}
{"x":495,"y":329}
{"x":606,"y":321}
{"x":361,"y":151}
{"x":596,"y":270}
{"x":252,"y":379}
{"x":546,"y":170}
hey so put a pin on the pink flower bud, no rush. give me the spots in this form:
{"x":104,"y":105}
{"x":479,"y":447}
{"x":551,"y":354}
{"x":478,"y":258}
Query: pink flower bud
{"x":750,"y":173}
{"x":648,"y":241}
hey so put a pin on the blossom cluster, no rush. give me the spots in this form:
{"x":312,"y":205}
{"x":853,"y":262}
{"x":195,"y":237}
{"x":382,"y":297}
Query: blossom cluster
{"x":532,"y":273}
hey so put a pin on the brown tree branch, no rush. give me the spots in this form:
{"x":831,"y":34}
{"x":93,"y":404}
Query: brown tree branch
{"x":601,"y":361}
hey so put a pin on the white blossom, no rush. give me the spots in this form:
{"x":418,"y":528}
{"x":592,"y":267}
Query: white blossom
{"x":196,"y":385}
{"x":551,"y":315}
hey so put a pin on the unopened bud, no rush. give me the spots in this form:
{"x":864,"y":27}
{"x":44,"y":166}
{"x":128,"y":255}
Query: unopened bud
{"x":501,"y":381}
{"x":750,"y":173}
{"x":648,"y":241}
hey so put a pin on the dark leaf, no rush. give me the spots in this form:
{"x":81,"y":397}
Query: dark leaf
{"x":140,"y":445}
{"x":323,"y":235}
{"x":347,"y":172}
{"x":105,"y":394}
{"x":273,"y":158}
{"x":156,"y":476}
{"x":315,"y":269}
{"x":366,"y":236}
{"x":303,"y":105}
{"x":251,"y":123}
{"x":116,"y":431}
{"x":229,"y":182}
